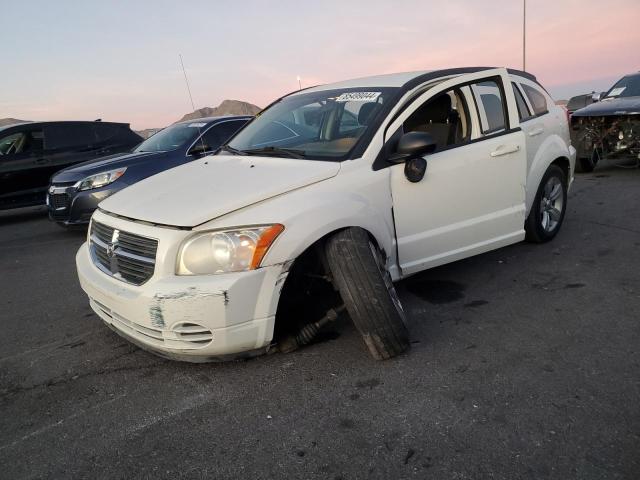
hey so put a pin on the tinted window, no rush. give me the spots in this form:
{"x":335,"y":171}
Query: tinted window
{"x":217,"y":135}
{"x":626,"y":87}
{"x":445,"y":117}
{"x":537,"y":100}
{"x":523,"y":110}
{"x":69,"y":135}
{"x":490,"y":106}
{"x":22,"y":142}
{"x":106,"y":131}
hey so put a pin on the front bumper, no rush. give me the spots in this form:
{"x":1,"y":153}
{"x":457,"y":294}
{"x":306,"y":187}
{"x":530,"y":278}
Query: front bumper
{"x":193,"y":318}
{"x":69,"y":207}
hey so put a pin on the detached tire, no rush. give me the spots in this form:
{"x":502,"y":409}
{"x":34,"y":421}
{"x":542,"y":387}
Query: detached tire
{"x":549,"y":206}
{"x":360,"y":275}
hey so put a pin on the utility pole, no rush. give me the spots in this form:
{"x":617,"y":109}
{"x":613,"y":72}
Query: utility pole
{"x":524,"y":35}
{"x":299,"y":83}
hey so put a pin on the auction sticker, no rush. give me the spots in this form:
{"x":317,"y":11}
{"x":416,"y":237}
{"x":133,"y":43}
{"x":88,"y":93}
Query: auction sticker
{"x":197,"y":125}
{"x":358,"y":97}
{"x":616,"y":91}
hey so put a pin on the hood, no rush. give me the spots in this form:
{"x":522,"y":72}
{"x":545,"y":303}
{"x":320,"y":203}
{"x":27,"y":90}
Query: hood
{"x":611,"y":106}
{"x":82,"y":170}
{"x":213,"y":186}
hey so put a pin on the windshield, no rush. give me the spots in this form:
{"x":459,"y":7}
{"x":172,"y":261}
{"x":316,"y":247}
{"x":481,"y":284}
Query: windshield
{"x":626,"y":87}
{"x":172,"y":138}
{"x":324,"y":125}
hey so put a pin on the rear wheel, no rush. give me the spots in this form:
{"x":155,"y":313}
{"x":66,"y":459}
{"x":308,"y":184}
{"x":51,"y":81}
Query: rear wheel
{"x":549,"y":206}
{"x":359,"y":272}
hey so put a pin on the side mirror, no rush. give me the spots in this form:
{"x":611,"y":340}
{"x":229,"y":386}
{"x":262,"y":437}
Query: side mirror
{"x":597,"y":96}
{"x":411,"y":148}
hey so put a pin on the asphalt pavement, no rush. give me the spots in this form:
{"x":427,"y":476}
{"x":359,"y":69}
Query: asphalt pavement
{"x":525,"y":364}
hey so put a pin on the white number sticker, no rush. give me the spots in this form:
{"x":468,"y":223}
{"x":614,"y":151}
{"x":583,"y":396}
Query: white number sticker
{"x":358,"y":97}
{"x":197,"y":125}
{"x":616,"y":91}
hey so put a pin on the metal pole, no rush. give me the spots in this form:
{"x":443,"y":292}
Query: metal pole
{"x":524,"y":35}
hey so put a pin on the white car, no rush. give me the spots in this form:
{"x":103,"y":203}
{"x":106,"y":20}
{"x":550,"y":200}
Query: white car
{"x":353,"y":185}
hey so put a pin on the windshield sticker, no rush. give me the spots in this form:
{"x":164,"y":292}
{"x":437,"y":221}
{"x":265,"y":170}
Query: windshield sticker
{"x":616,"y":91}
{"x":197,"y":125}
{"x":358,"y":97}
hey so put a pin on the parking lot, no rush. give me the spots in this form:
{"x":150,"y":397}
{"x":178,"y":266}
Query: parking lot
{"x":525,"y":363}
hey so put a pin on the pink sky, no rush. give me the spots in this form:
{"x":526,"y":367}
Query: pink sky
{"x":102,"y":60}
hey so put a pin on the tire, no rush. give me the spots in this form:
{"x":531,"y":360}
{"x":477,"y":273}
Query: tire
{"x":549,"y":206}
{"x":363,"y":281}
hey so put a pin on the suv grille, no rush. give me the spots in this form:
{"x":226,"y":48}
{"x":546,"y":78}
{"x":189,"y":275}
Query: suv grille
{"x":59,"y":201}
{"x":123,"y":255}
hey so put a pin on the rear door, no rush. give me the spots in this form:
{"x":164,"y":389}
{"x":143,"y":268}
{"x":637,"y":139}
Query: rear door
{"x":472,"y":197}
{"x":67,"y":143}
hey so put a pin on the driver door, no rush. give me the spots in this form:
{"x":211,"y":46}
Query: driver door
{"x":472,"y":197}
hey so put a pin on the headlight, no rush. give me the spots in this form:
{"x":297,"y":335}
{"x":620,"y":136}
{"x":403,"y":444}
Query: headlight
{"x":226,"y":251}
{"x":100,"y":179}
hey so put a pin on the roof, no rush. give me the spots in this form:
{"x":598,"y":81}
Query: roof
{"x":408,"y":80}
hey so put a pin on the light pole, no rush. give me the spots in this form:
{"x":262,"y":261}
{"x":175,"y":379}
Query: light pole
{"x":524,"y":35}
{"x":299,"y":83}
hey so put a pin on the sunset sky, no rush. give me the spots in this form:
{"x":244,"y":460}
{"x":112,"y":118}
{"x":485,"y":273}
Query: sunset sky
{"x":118,"y":60}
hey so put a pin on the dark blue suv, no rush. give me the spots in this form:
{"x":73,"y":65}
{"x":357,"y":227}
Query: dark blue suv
{"x":74,"y":193}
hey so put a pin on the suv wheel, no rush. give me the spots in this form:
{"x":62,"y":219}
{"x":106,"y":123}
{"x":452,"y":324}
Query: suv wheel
{"x":549,"y":206}
{"x":359,"y":273}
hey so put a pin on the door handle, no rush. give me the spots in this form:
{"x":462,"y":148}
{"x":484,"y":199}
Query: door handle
{"x":536,"y":131}
{"x":505,"y":150}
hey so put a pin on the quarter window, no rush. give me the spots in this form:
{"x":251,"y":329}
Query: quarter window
{"x":537,"y":100}
{"x":490,"y":104}
{"x":523,"y":110}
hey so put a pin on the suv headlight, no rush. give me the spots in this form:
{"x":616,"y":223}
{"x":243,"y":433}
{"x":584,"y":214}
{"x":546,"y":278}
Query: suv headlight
{"x":226,"y":251}
{"x":100,"y":179}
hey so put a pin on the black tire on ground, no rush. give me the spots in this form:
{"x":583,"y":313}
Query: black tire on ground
{"x":366,"y":289}
{"x":535,"y":231}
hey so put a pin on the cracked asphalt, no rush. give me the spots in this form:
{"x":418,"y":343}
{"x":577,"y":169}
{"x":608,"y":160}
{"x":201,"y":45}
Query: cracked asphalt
{"x":525,"y":364}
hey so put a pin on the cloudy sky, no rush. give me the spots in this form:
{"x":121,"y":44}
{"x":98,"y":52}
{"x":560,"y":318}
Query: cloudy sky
{"x":118,"y":60}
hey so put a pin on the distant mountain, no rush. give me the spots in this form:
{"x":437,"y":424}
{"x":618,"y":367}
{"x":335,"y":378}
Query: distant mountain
{"x":227,"y":107}
{"x":10,"y":121}
{"x":147,"y":132}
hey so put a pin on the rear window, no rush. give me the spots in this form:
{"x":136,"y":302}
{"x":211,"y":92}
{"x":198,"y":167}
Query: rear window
{"x":69,"y":135}
{"x":523,"y":110}
{"x":490,"y":106}
{"x":537,"y":100}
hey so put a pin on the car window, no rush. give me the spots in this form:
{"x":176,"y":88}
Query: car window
{"x":523,"y":110}
{"x":445,"y":117}
{"x":106,"y":131}
{"x":173,"y":137}
{"x":491,"y":108}
{"x":217,"y":135}
{"x":22,"y":142}
{"x":66,"y":135}
{"x":537,"y":100}
{"x":320,"y":125}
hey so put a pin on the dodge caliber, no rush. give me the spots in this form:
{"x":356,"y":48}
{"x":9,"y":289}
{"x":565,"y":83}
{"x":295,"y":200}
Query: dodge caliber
{"x":324,"y":201}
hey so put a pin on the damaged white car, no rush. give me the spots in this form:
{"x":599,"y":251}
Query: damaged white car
{"x":320,"y":204}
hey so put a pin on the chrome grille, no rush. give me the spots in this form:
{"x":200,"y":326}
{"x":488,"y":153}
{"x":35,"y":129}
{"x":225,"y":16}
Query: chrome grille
{"x":123,"y":255}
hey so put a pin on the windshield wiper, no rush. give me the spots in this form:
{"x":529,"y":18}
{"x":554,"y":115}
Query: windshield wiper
{"x":235,"y":151}
{"x":277,"y":151}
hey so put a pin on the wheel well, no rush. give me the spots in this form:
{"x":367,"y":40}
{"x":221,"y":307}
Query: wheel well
{"x":307,"y":292}
{"x":563,"y":163}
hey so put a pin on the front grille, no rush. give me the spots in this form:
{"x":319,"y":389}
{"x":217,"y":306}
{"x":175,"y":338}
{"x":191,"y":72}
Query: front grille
{"x":123,"y":255}
{"x":58,"y":201}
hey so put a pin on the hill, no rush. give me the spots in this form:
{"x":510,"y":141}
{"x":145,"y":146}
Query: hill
{"x":227,"y":107}
{"x":10,"y":121}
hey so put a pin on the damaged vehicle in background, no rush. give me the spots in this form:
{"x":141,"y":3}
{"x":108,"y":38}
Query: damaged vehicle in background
{"x":609,"y":128}
{"x":345,"y":188}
